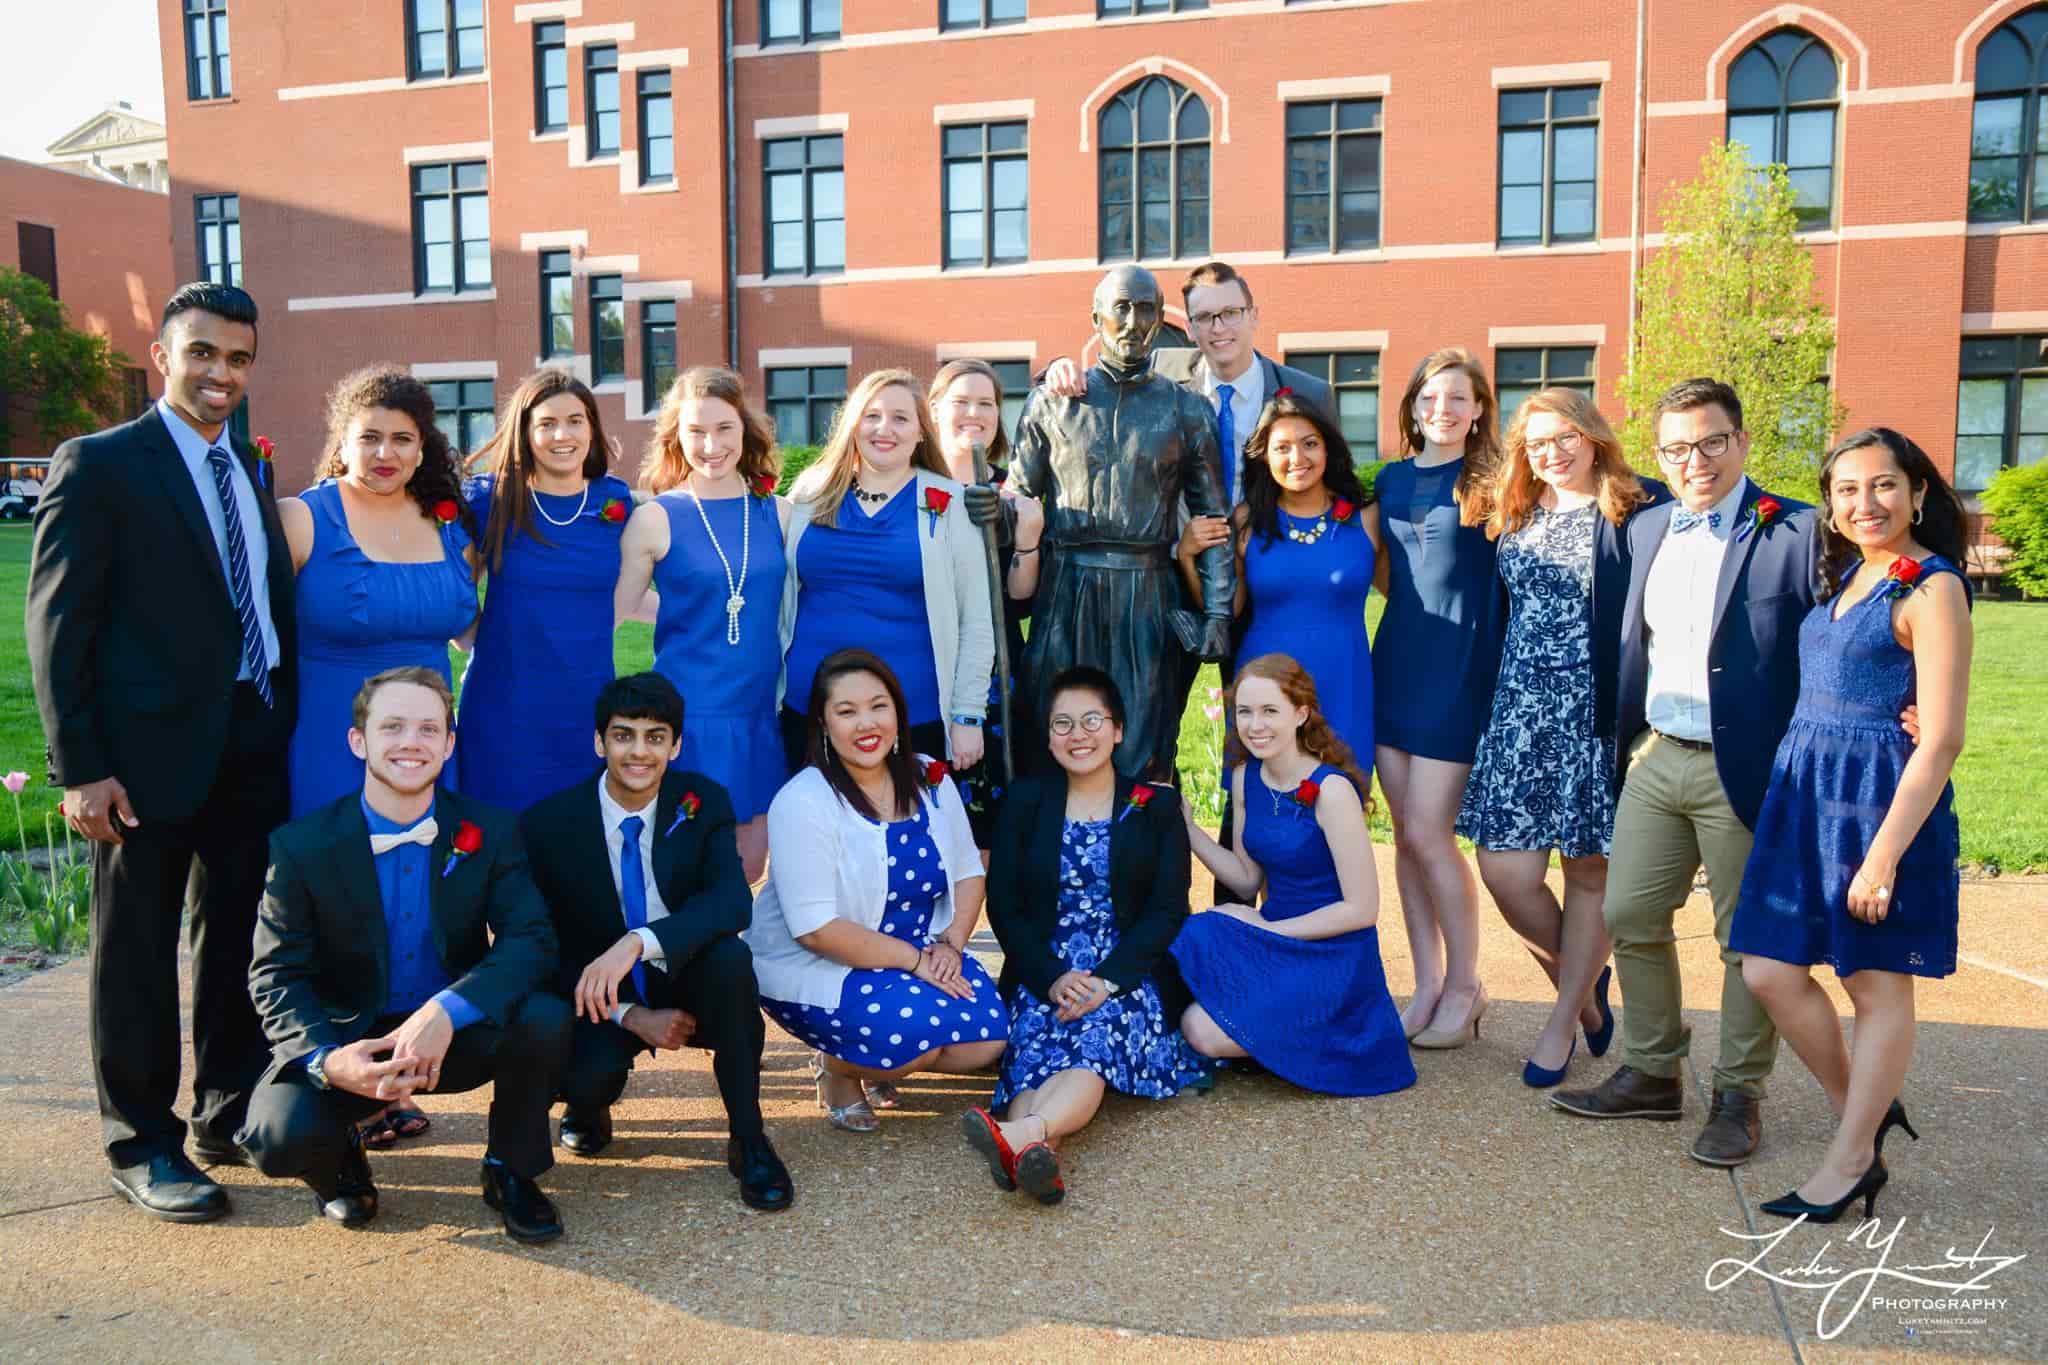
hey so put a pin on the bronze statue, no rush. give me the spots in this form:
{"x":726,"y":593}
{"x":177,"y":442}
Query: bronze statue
{"x":1112,"y":467}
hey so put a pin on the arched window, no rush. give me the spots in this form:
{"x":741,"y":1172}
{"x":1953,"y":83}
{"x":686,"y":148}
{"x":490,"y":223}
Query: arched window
{"x":1783,"y":95}
{"x":2008,"y":133}
{"x":1154,"y":172}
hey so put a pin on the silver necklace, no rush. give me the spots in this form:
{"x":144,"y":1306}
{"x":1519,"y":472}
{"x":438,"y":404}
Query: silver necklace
{"x":582,"y":503}
{"x":734,"y":599}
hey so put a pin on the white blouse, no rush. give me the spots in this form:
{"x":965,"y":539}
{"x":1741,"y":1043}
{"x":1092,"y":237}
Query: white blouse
{"x":828,"y":861}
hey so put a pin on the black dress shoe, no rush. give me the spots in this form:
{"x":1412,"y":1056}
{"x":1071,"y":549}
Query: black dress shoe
{"x":349,"y":1196}
{"x":529,"y":1216}
{"x":586,"y":1132}
{"x":170,"y":1187}
{"x":764,"y":1180}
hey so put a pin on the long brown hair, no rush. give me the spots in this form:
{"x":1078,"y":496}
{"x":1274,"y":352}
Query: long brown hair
{"x":900,"y":762}
{"x":664,"y":466}
{"x":1315,"y":736}
{"x":824,"y":484}
{"x":508,"y":455}
{"x":438,"y":478}
{"x":1262,"y":490}
{"x":1482,"y":443}
{"x":998,"y":450}
{"x":1516,"y":487}
{"x":1943,"y":525}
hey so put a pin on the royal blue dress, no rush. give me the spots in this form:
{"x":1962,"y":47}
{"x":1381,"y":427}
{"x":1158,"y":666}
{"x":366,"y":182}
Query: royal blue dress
{"x":544,"y":646}
{"x":1836,"y":772}
{"x":1312,"y":1011}
{"x":1127,"y":1039}
{"x":729,"y":727}
{"x":1308,"y":602}
{"x":886,"y":1017}
{"x":861,"y":585}
{"x":357,"y":617}
{"x":1437,"y":651}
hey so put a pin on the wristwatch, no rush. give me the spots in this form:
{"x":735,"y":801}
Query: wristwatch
{"x":316,"y":1067}
{"x":971,"y":721}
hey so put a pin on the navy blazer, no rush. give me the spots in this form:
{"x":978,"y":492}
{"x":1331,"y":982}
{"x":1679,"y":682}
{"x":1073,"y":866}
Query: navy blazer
{"x":1768,"y":584}
{"x":1611,"y":560}
{"x":1186,"y":365}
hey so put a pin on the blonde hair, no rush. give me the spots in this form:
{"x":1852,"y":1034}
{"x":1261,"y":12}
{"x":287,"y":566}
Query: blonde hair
{"x":665,"y":466}
{"x":1482,"y":443}
{"x":1516,"y":487}
{"x":1315,"y":736}
{"x":823,"y":486}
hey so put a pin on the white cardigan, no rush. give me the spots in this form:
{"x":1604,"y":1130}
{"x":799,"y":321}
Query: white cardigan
{"x":956,"y":599}
{"x":831,"y":862}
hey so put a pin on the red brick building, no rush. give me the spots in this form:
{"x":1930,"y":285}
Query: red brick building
{"x":828,"y":188}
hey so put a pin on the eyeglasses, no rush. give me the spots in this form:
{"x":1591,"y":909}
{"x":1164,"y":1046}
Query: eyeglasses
{"x":1564,"y":443}
{"x":1229,"y":317}
{"x":1092,"y":723}
{"x":1708,"y":448}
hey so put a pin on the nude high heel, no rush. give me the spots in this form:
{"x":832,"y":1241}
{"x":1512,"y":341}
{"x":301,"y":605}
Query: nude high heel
{"x":1444,"y":1040}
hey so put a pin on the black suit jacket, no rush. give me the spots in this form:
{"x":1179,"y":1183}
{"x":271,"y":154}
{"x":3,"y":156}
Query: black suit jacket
{"x":322,"y":967}
{"x":1611,"y":559}
{"x":1148,"y":883}
{"x":133,"y":639}
{"x":696,"y":868}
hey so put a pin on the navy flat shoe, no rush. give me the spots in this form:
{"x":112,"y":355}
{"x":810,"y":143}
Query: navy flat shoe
{"x":1599,"y":1038}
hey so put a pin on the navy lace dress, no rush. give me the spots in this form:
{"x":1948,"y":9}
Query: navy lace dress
{"x":1835,"y":775}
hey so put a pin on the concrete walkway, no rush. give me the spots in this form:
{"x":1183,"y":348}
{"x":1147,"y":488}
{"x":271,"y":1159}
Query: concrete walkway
{"x":1461,"y":1220}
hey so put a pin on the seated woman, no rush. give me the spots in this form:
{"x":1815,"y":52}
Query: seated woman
{"x":1296,"y":986}
{"x":1088,"y":884}
{"x":877,"y":860}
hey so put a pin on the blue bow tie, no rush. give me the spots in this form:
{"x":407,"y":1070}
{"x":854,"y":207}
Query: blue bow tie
{"x":1683,"y":521}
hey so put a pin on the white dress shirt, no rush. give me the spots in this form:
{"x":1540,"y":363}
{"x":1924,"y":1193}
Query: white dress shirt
{"x":1678,"y":609}
{"x":1247,"y":400}
{"x":255,"y":544}
{"x":615,"y":847}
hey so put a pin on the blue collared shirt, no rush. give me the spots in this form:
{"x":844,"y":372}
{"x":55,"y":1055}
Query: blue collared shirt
{"x":404,"y":885}
{"x":193,"y":447}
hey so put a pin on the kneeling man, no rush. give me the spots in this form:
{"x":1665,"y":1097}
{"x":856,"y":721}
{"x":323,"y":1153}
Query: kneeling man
{"x":641,"y":871}
{"x":402,"y":947}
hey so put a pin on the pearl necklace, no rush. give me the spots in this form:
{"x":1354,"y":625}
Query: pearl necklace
{"x":734,"y":599}
{"x":584,"y":502}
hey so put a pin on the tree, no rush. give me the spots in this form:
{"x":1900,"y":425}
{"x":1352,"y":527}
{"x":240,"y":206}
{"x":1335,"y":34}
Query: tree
{"x":1730,"y":295}
{"x":72,"y":380}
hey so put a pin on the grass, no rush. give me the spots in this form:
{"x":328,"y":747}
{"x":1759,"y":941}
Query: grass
{"x":2001,"y":795}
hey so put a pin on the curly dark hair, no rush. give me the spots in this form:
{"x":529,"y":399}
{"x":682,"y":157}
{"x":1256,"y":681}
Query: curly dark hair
{"x":1262,"y":490}
{"x":438,"y":477}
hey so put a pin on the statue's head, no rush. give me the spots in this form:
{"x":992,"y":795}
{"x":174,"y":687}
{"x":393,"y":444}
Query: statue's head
{"x":1126,"y":313}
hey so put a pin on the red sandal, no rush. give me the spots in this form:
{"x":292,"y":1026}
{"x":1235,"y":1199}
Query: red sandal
{"x":982,"y":1134}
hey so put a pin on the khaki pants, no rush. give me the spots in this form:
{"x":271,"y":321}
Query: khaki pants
{"x":1672,"y":817}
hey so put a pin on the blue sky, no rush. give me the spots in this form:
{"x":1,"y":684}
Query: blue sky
{"x":68,"y":60}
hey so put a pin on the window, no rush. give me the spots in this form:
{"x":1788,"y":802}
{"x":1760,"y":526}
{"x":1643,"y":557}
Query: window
{"x":1781,"y":106}
{"x":446,"y":37}
{"x":1115,"y":9}
{"x":207,"y":76}
{"x":657,"y":350}
{"x":657,"y":128}
{"x":979,"y":13}
{"x":36,"y":250}
{"x":601,"y":98}
{"x":2002,"y":409}
{"x":1521,"y":371}
{"x":465,"y":411}
{"x":220,"y":237}
{"x":607,"y":328}
{"x":1549,"y":165}
{"x":135,"y":391}
{"x":806,"y":191}
{"x":1015,"y":377}
{"x":803,"y":401}
{"x":2008,"y":133}
{"x":550,"y":78}
{"x":1333,"y":175}
{"x":1354,"y":376}
{"x":557,"y":306}
{"x":987,"y":197}
{"x":1154,"y":172}
{"x":451,"y":227}
{"x":799,"y":21}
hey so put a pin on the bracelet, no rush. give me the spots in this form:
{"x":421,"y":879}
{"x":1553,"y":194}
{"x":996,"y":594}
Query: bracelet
{"x":1022,"y":551}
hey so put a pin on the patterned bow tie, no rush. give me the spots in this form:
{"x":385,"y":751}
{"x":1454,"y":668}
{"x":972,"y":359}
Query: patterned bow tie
{"x":1683,"y":521}
{"x":422,"y":834}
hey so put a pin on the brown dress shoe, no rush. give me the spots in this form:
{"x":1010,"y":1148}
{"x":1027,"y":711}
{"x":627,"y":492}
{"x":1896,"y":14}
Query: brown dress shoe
{"x":1627,"y":1094}
{"x":1733,"y":1127}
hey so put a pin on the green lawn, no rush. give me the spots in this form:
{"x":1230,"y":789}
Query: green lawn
{"x":2001,"y":796}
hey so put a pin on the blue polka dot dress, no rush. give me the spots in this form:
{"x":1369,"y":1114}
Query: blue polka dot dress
{"x":886,"y":1017}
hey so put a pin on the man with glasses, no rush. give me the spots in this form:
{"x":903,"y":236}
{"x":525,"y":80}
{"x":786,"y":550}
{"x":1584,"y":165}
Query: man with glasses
{"x":1719,"y":583}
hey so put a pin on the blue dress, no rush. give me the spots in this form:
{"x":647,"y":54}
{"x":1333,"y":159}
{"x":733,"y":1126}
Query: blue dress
{"x":1127,"y":1040}
{"x":1836,"y":772}
{"x":729,"y":726}
{"x":1312,"y":1011}
{"x":887,"y":1017}
{"x":1308,"y":602}
{"x":543,"y":648}
{"x":861,"y":585}
{"x":357,"y":617}
{"x":1438,"y":647}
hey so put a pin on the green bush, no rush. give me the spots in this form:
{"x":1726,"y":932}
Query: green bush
{"x":1369,"y":475}
{"x":795,"y":460}
{"x":2018,"y":503}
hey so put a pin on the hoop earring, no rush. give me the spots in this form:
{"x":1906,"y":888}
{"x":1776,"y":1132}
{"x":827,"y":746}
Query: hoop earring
{"x":1919,"y":512}
{"x":897,"y":746}
{"x":1829,"y":522}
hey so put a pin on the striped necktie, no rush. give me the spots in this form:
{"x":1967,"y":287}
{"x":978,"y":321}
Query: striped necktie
{"x":238,"y":576}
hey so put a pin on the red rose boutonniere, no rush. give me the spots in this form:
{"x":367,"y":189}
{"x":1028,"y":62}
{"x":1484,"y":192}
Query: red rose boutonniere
{"x":1281,"y":393}
{"x":1140,"y":797}
{"x":936,"y":501}
{"x":613,"y":511}
{"x":1342,"y":511}
{"x":686,"y":809}
{"x":764,"y":487}
{"x":468,"y":840}
{"x":1305,"y":795}
{"x":935,"y":772}
{"x":1764,"y":512}
{"x":266,"y":451}
{"x":1900,"y":579}
{"x":446,"y":511}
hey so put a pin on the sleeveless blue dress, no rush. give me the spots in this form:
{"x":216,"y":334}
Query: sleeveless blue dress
{"x":1308,"y":602}
{"x":543,"y":649}
{"x":1315,"y":1012}
{"x":1836,"y":772}
{"x":730,"y":731}
{"x":357,"y":617}
{"x":860,"y":584}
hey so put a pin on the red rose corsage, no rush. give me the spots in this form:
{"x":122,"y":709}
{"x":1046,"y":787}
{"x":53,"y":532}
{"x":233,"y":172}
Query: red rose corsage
{"x":1901,"y":578}
{"x":686,"y":809}
{"x":1280,"y":393}
{"x":1306,"y":794}
{"x":764,"y":487}
{"x":468,"y":840}
{"x":1140,"y":797}
{"x":1764,"y":512}
{"x":446,"y":511}
{"x":266,"y":449}
{"x":1342,"y":510}
{"x":613,"y":511}
{"x":935,"y":772}
{"x":936,"y":501}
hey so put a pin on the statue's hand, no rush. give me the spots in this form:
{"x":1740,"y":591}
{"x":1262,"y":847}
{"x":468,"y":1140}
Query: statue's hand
{"x":1064,"y":378}
{"x":1215,"y":638}
{"x":984,"y":503}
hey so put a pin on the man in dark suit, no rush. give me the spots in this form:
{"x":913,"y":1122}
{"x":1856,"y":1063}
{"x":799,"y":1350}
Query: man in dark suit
{"x":1719,"y":582}
{"x":403,"y":947}
{"x":640,"y":868}
{"x":160,"y":637}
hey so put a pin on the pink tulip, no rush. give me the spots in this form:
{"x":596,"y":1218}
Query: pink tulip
{"x":14,"y":782}
{"x":1215,"y":693}
{"x":1213,"y":712}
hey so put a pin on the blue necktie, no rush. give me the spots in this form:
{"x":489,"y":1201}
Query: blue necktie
{"x":238,"y":575}
{"x":633,"y":890}
{"x":1683,"y":521}
{"x":1226,"y":435}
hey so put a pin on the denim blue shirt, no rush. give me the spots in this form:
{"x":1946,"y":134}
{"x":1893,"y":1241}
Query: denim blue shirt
{"x":404,"y":886}
{"x":255,"y":545}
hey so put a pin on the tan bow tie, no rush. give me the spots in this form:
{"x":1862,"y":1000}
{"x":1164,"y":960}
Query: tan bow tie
{"x":422,"y":834}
